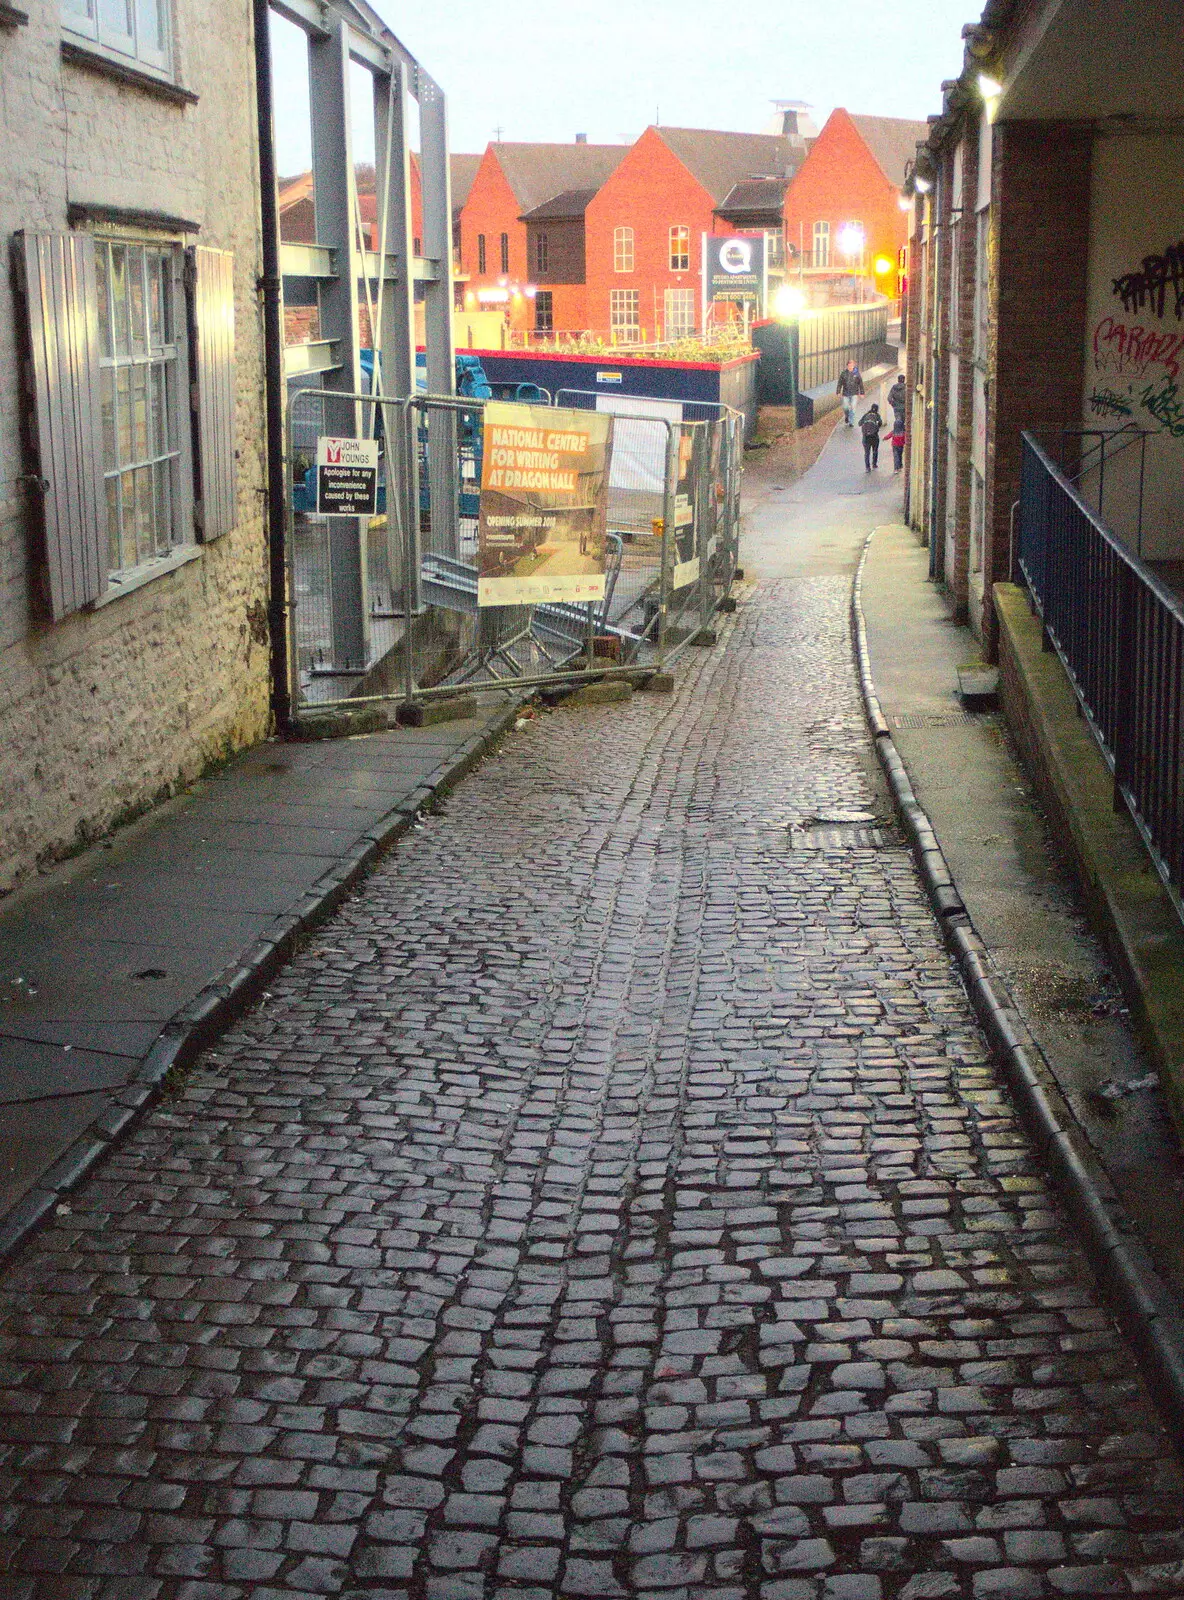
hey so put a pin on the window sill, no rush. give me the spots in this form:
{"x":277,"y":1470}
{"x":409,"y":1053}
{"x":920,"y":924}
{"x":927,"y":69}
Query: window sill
{"x":93,"y":58}
{"x":12,"y":16}
{"x":136,"y":577}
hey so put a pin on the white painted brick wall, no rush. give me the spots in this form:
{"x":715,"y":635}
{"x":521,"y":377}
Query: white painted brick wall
{"x":102,"y":711}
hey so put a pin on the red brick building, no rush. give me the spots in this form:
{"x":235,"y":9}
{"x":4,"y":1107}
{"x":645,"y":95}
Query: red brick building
{"x":842,"y":209}
{"x":644,"y":226}
{"x":511,"y":181}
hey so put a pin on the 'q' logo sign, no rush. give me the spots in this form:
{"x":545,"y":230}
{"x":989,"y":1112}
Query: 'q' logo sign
{"x":736,"y":256}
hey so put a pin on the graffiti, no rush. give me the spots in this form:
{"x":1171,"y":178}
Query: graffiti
{"x":1148,"y":288}
{"x":1166,"y":406}
{"x":1109,"y":403}
{"x":1121,"y":347}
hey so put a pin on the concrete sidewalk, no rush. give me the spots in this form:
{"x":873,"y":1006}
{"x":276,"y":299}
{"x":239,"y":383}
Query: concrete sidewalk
{"x":119,"y":965}
{"x":1019,"y":891}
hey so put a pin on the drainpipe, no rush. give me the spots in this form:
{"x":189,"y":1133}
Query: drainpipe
{"x":271,"y":293}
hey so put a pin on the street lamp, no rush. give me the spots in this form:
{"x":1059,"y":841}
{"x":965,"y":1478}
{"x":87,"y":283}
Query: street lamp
{"x":788,"y":301}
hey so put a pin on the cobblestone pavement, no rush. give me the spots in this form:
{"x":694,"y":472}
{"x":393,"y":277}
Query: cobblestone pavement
{"x":612,"y":1200}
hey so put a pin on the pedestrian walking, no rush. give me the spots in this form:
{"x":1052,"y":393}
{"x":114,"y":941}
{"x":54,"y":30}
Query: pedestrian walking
{"x":850,"y":386}
{"x":896,"y":440}
{"x":871,"y":425}
{"x":896,"y":399}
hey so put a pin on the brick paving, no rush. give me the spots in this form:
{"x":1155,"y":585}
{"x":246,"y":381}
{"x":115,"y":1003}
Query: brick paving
{"x":612,"y":1200}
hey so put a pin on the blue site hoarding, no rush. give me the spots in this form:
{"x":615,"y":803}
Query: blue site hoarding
{"x":698,"y":386}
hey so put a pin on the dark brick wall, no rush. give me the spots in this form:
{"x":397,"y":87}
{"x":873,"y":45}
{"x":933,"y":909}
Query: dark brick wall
{"x":1040,"y":205}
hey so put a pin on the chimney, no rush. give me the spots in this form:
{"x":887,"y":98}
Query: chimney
{"x":581,"y":138}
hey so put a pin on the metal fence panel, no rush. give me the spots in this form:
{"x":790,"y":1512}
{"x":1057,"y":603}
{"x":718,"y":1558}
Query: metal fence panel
{"x":1119,"y":632}
{"x":672,"y":535}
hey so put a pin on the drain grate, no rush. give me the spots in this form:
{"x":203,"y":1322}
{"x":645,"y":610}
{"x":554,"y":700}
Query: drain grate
{"x":936,"y":719}
{"x":838,"y":836}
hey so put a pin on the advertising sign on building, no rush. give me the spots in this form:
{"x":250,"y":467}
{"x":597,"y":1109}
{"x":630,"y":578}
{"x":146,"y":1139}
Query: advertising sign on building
{"x":734,"y":273}
{"x":347,"y":477}
{"x":544,"y":483}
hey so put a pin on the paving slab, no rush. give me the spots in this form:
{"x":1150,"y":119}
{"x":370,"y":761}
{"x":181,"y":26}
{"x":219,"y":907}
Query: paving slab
{"x":103,"y":958}
{"x":1016,"y":883}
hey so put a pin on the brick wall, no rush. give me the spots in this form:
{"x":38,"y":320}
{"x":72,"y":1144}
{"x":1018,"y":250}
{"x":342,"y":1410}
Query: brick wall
{"x":840,"y":181}
{"x":105,"y":710}
{"x":961,"y":341}
{"x":492,"y":209}
{"x":1040,"y":200}
{"x":651,"y":192}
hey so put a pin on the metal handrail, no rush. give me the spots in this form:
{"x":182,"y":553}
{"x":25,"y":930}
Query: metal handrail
{"x":1119,"y":633}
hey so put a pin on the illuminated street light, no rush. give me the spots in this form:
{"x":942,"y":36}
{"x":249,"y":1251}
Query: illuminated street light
{"x":852,"y":239}
{"x":905,"y":202}
{"x":883,"y":265}
{"x":788,"y":301}
{"x":922,"y":185}
{"x":989,"y":88}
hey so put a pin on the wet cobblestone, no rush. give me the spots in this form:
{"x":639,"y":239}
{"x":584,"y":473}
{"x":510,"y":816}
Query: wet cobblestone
{"x":611,"y":1201}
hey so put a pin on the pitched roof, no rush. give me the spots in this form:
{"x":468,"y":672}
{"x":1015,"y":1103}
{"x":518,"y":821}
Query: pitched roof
{"x":462,"y":170}
{"x":721,"y":160}
{"x":537,"y":172}
{"x":754,"y":196}
{"x":893,"y":141}
{"x":571,"y":203}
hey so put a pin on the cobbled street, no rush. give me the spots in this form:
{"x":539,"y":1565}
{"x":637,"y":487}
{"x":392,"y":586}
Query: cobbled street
{"x":613,"y":1199}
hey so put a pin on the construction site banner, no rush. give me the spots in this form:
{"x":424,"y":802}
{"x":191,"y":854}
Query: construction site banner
{"x":544,"y":485}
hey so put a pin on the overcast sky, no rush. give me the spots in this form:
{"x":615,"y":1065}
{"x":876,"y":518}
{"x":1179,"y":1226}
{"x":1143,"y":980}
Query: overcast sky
{"x":608,"y":68}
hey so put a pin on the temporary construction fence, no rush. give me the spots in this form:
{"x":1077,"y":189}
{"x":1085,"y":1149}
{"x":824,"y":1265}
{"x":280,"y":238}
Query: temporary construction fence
{"x":393,"y":606}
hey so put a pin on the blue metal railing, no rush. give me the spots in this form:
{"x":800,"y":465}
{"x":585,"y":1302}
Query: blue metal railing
{"x":1119,"y":632}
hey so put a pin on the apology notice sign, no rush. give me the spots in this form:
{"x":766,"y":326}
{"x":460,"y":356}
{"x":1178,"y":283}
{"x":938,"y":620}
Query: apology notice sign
{"x":544,"y":481}
{"x":347,"y":477}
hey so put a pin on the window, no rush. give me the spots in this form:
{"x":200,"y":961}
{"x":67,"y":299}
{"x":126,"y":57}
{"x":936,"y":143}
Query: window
{"x":505,"y":252}
{"x":680,"y":313}
{"x":131,"y":365}
{"x":480,"y":252}
{"x":542,"y":255}
{"x":622,"y":250}
{"x":852,"y":242}
{"x":140,"y":391}
{"x":138,"y":29}
{"x":544,"y":312}
{"x":624,"y":318}
{"x":680,"y":249}
{"x":822,"y":244}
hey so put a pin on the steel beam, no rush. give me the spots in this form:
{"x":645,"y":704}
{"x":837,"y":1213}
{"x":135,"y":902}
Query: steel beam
{"x":335,"y":209}
{"x":392,"y":165}
{"x":443,"y":462}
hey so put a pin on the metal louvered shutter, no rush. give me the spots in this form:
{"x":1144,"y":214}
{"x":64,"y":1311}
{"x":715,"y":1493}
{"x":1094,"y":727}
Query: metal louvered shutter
{"x":212,"y":278}
{"x":56,"y":276}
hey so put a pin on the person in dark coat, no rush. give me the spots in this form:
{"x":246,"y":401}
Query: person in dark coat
{"x":850,"y":386}
{"x":871,"y":425}
{"x":896,"y":399}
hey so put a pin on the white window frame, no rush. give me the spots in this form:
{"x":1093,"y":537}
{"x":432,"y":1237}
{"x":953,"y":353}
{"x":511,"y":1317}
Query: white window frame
{"x":544,"y":311}
{"x":624,"y":315}
{"x":679,"y":311}
{"x":85,"y":20}
{"x":680,"y":248}
{"x":542,"y":255}
{"x":623,"y":250}
{"x":155,"y":461}
{"x":820,"y":254}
